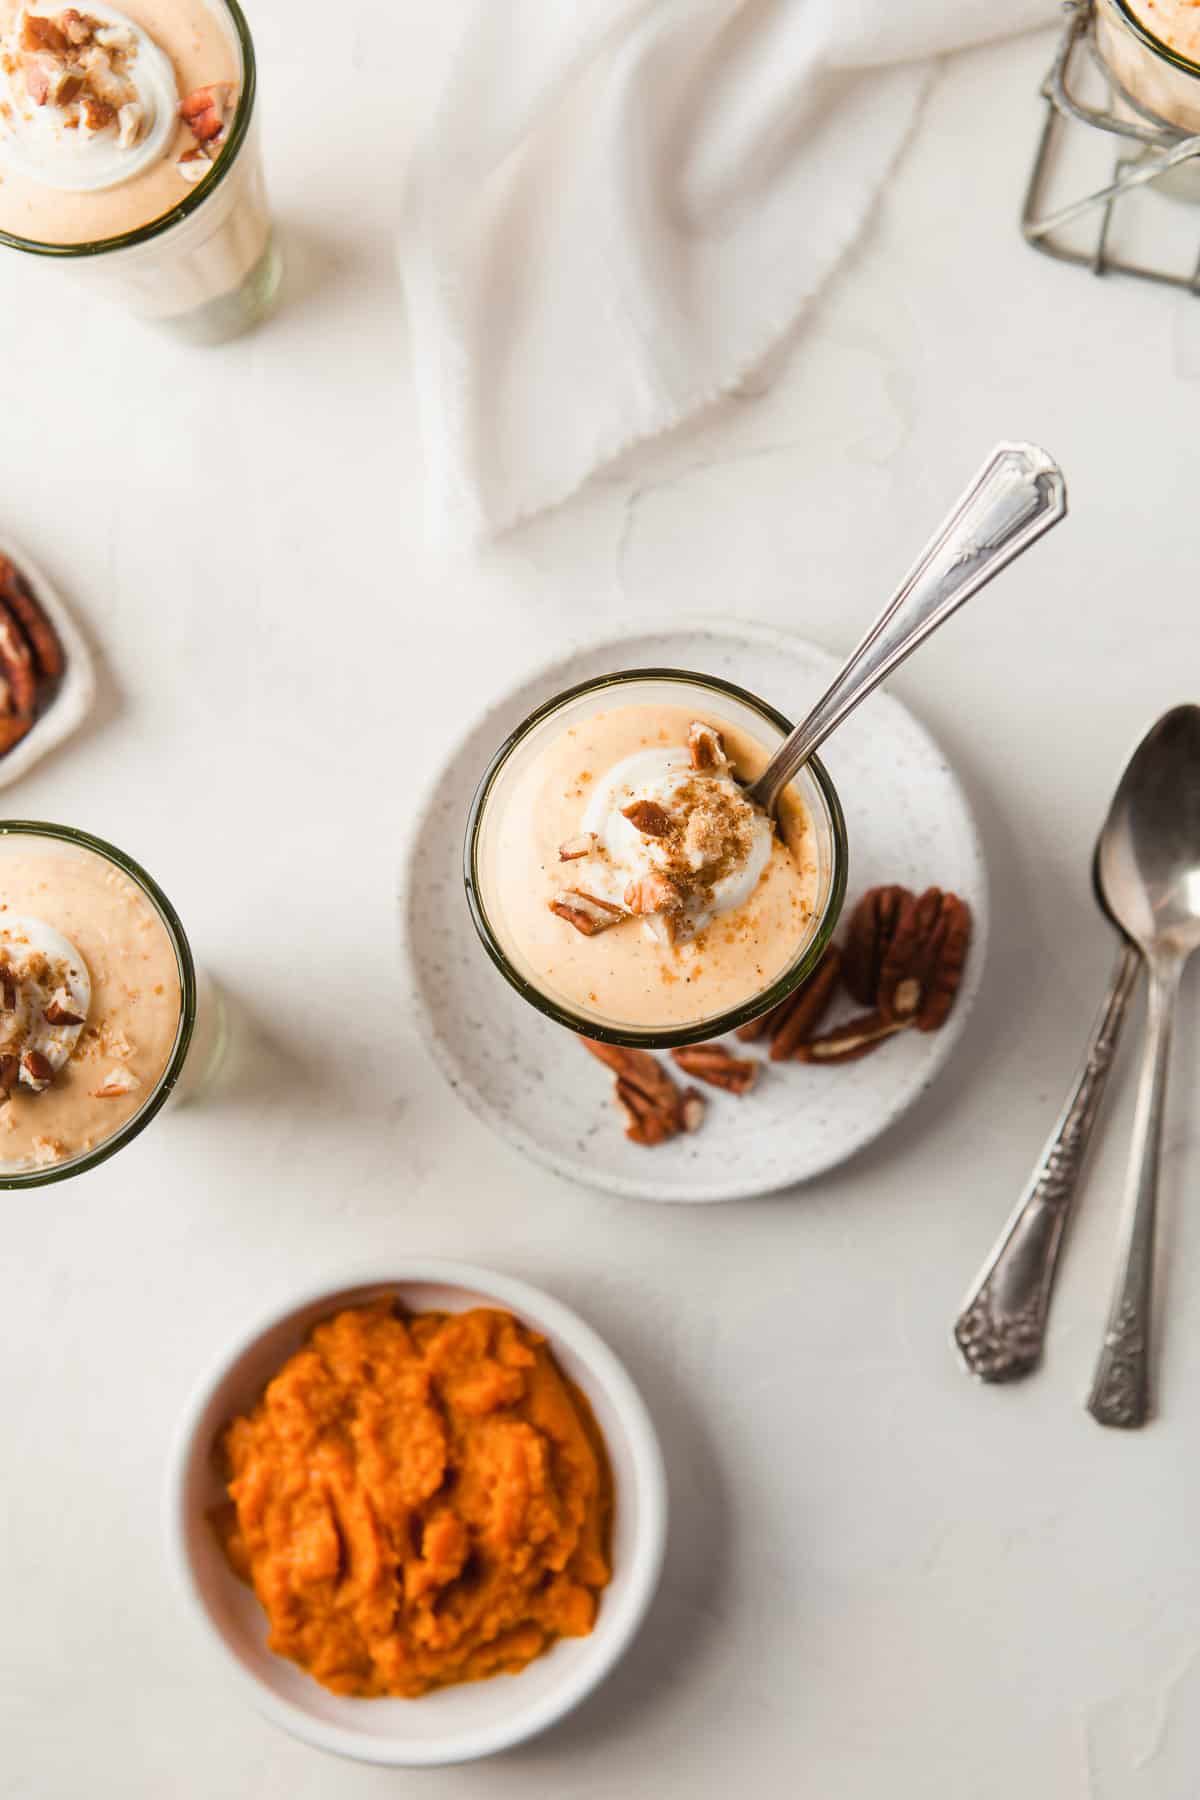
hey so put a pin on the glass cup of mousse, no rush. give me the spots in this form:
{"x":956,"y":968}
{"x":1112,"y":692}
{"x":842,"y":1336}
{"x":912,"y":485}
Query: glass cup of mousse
{"x":1151,"y":52}
{"x":129,"y":150}
{"x":621,"y":882}
{"x":101,"y":1006}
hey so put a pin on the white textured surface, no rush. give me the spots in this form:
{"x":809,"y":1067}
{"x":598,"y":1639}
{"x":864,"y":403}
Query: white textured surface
{"x":881,"y":1580}
{"x":906,"y":821}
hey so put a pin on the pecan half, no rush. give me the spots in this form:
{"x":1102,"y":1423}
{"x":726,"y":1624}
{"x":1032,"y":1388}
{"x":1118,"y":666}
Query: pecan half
{"x":575,"y":847}
{"x":655,"y":1108}
{"x":799,"y":1015}
{"x":16,"y":664}
{"x":923,"y":968}
{"x":648,"y":817}
{"x":585,"y":912}
{"x":868,"y":939}
{"x":706,"y":747}
{"x":846,"y":1043}
{"x":40,"y":633}
{"x":718,"y":1066}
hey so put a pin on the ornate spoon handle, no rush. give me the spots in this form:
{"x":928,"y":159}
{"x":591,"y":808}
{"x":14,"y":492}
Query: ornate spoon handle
{"x":1017,"y":495}
{"x":1002,"y":1325}
{"x":1121,"y":1386}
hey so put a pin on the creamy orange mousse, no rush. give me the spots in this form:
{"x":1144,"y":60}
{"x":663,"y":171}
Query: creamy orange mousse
{"x":1175,"y":23}
{"x":627,"y":877}
{"x":89,"y":1001}
{"x":418,"y":1499}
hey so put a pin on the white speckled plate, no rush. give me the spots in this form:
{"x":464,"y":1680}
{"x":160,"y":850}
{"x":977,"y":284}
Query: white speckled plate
{"x":907,"y":820}
{"x":77,"y":689}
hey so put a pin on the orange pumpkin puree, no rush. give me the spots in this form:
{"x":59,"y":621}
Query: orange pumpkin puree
{"x":418,"y":1499}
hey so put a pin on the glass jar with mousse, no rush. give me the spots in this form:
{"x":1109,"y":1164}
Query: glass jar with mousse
{"x":129,"y":150}
{"x":621,"y":881}
{"x":1151,"y":50}
{"x":98,"y":1003}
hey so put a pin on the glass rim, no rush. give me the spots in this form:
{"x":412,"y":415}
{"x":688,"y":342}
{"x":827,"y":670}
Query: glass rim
{"x":1143,"y":32}
{"x":90,"y":1159}
{"x":195,"y":198}
{"x":671,"y":1037}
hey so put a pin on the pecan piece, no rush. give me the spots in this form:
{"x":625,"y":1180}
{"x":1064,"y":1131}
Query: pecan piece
{"x":718,"y":1066}
{"x":585,"y":912}
{"x":207,"y":111}
{"x":868,"y":939}
{"x":8,"y":987}
{"x":654,"y":893}
{"x":706,"y":747}
{"x":36,"y":1071}
{"x":575,"y":847}
{"x":846,"y":1043}
{"x":31,"y":617}
{"x":648,"y":817}
{"x":923,"y":968}
{"x":13,"y":728}
{"x":61,"y":1009}
{"x":10,"y":1074}
{"x":655,"y":1108}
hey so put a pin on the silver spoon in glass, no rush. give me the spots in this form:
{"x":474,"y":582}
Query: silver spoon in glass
{"x":1148,"y":871}
{"x":1017,"y":495}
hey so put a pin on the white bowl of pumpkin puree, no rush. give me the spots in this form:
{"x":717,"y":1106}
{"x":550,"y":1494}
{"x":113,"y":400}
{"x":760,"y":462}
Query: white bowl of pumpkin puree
{"x":421,"y":1517}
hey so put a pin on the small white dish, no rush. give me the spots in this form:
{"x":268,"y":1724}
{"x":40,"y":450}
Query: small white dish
{"x":77,"y":690}
{"x":475,"y":1719}
{"x":907,"y":821}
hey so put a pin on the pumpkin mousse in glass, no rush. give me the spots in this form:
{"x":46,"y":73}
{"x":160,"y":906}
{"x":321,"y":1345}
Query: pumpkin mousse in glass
{"x":126,"y":149}
{"x":622,"y":880}
{"x":96,"y":1001}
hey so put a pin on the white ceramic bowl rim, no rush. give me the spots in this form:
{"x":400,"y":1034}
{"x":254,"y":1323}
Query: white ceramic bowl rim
{"x":621,"y":1614}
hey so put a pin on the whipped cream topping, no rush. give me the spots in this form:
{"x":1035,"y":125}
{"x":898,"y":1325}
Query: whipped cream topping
{"x":41,"y":975}
{"x":87,"y":98}
{"x":674,"y":844}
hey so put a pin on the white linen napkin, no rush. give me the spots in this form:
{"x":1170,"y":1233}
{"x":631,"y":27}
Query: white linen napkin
{"x":618,"y":207}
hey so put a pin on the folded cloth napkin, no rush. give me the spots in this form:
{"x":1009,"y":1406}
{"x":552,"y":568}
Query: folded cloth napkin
{"x":618,"y":206}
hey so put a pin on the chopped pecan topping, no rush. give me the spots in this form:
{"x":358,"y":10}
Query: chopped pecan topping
{"x":207,"y":112}
{"x":654,"y":893}
{"x":655,"y":1108}
{"x":868,"y":939}
{"x":718,"y":1066}
{"x":36,"y":1071}
{"x":648,"y":817}
{"x":8,"y":988}
{"x":846,"y":1043}
{"x":706,"y":747}
{"x":10,"y":1074}
{"x":923,"y":967}
{"x":116,"y":1083}
{"x":575,"y":847}
{"x":13,"y":727}
{"x":61,"y":1009}
{"x":585,"y":912}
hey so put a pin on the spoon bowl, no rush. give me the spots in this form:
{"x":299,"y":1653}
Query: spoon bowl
{"x":1148,"y":858}
{"x":1147,"y":873}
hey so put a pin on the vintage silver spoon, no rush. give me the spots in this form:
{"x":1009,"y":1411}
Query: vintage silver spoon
{"x":1017,"y":495}
{"x":1148,"y":868}
{"x":1001,"y":1329}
